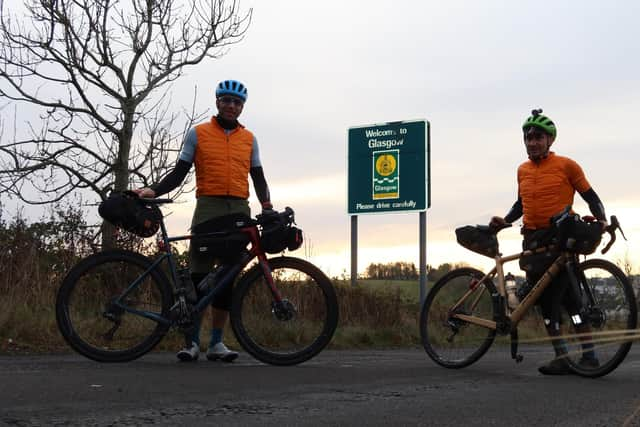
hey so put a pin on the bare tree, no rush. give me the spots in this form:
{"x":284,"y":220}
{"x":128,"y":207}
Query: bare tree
{"x":99,"y":73}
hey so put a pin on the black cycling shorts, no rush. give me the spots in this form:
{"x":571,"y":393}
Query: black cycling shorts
{"x":558,"y":294}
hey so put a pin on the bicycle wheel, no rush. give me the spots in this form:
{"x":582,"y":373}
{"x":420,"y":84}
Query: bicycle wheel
{"x":91,"y":321}
{"x":293,"y":331}
{"x":612,"y":317}
{"x":452,"y":342}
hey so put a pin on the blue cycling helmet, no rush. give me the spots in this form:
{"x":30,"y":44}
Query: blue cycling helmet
{"x":231,"y":87}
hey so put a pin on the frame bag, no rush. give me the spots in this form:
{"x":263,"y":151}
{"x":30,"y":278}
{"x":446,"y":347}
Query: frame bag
{"x":220,"y":237}
{"x":535,"y":264}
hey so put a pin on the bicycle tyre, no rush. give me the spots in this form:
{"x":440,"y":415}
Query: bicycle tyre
{"x":86,"y":318}
{"x":618,"y":312}
{"x":470,"y":342}
{"x":308,"y":323}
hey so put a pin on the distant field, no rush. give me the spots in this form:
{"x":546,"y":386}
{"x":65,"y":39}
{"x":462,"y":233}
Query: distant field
{"x":408,"y":289}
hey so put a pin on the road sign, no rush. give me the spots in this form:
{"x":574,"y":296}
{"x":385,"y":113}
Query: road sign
{"x":388,"y":167}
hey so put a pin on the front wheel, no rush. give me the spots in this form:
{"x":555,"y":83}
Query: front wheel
{"x":450,"y":341}
{"x":100,"y":302}
{"x":293,"y":330}
{"x":608,"y":319}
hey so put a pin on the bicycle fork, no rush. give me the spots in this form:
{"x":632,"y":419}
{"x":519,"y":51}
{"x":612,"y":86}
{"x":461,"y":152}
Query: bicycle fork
{"x":266,"y":271}
{"x":281,"y":308}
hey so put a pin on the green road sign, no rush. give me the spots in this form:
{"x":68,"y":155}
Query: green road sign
{"x":388,"y":167}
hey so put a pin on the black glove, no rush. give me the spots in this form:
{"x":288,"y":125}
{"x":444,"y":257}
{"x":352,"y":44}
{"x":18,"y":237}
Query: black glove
{"x":267,"y":209}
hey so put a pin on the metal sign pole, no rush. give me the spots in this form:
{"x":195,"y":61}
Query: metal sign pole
{"x":354,"y":249}
{"x":423,"y":256}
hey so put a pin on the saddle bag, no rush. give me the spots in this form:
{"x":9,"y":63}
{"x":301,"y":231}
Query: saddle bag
{"x":479,"y":239}
{"x":127,"y":211}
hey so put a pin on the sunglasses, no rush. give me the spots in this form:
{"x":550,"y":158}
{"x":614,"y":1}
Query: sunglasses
{"x":231,"y":100}
{"x":534,"y":136}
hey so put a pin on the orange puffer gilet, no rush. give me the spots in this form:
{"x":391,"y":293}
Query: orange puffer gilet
{"x":222,"y":160}
{"x":547,"y":187}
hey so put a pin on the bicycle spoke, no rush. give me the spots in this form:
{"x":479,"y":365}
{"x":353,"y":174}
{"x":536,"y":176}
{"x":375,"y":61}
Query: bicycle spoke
{"x":94,"y":316}
{"x":294,"y":329}
{"x":448,"y":339}
{"x":610,"y":319}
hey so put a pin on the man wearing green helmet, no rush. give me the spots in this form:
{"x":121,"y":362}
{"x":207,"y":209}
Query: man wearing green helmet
{"x":547,"y":184}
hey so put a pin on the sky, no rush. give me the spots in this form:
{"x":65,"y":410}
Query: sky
{"x":473,"y":69}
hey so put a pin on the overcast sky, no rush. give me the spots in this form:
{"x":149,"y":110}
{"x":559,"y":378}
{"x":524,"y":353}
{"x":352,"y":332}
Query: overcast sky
{"x":473,"y":69}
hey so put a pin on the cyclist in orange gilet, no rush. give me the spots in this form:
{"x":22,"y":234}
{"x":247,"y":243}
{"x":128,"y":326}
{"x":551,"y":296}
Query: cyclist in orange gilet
{"x":547,"y":184}
{"x":225,"y":154}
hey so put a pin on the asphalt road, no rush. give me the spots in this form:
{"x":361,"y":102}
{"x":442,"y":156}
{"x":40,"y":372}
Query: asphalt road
{"x":363,"y":388}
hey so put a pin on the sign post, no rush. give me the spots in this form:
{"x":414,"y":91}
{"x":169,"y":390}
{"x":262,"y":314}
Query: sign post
{"x":388,"y":171}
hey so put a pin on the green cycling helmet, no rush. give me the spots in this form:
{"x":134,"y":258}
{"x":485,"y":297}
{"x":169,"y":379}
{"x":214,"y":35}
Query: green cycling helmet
{"x":537,"y":119}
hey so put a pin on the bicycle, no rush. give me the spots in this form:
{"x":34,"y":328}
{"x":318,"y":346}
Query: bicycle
{"x":117,"y":305}
{"x":465,"y":309}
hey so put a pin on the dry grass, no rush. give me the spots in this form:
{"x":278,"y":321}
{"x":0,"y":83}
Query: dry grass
{"x":368,"y":318}
{"x":34,"y":259}
{"x":375,"y":317}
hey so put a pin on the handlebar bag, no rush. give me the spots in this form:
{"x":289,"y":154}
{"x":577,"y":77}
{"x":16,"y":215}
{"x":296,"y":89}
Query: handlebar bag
{"x":579,"y":236}
{"x":280,"y":235}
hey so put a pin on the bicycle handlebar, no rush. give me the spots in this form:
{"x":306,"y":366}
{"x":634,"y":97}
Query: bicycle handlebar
{"x":287,"y":215}
{"x":147,"y":200}
{"x":614,"y":225}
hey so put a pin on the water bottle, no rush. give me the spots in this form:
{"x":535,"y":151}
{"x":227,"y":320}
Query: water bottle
{"x":184,"y":276}
{"x":209,"y":282}
{"x":511,"y":287}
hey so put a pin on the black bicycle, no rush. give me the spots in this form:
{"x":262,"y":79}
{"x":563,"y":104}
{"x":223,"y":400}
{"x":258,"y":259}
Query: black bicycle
{"x":116,"y":305}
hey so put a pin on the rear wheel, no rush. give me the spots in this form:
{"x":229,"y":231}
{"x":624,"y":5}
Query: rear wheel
{"x":611,"y":315}
{"x":94,"y":302}
{"x":449,"y":341}
{"x":297,"y":328}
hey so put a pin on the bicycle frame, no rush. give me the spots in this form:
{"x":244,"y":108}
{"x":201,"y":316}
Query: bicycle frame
{"x":164,"y":243}
{"x":514,"y":317}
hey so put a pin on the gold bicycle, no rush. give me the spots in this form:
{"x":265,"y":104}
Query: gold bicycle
{"x":465,"y":309}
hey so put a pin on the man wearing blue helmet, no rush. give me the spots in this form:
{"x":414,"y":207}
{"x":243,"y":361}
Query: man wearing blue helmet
{"x":225,"y":154}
